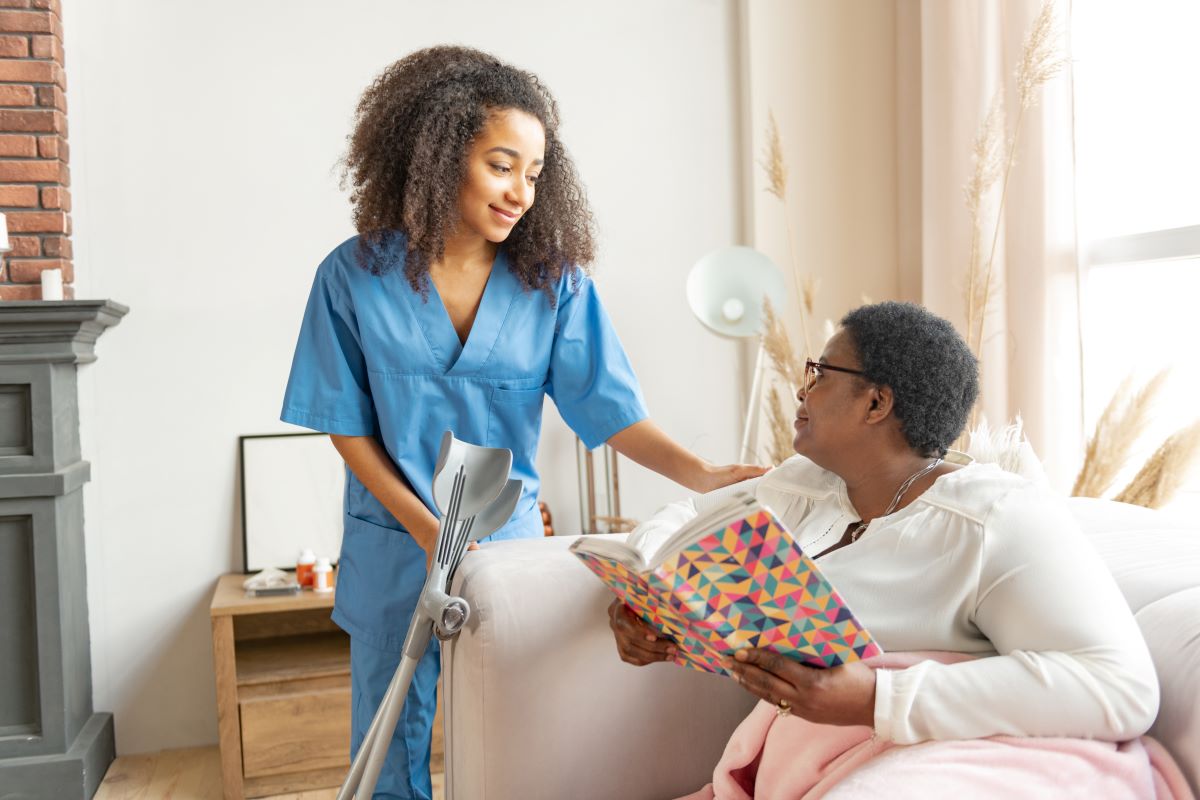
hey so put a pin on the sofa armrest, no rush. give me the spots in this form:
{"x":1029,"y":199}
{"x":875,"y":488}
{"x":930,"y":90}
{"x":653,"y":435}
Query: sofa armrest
{"x":1155,"y":558}
{"x":538,"y":704}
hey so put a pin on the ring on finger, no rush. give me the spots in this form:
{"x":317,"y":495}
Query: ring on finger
{"x":783,"y":708}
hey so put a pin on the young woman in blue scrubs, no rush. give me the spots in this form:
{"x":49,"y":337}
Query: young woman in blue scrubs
{"x":459,"y":305}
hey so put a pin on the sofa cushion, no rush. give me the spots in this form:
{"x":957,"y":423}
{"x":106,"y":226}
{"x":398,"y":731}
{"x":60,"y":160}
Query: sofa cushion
{"x":538,"y":703}
{"x":1172,"y":630}
{"x":1155,"y":558}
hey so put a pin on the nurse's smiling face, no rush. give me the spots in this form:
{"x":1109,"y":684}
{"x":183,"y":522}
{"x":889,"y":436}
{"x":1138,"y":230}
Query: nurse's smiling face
{"x":503,"y":165}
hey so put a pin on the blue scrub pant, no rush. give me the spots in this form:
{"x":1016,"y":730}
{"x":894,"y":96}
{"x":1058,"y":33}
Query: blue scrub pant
{"x":405,"y":774}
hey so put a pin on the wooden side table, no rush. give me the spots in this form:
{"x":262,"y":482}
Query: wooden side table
{"x":283,"y":691}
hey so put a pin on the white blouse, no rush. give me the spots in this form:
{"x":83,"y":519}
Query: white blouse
{"x":983,"y":562}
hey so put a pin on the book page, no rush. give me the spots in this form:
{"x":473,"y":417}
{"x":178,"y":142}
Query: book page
{"x":717,"y":518}
{"x":648,"y":537}
{"x":609,"y":547}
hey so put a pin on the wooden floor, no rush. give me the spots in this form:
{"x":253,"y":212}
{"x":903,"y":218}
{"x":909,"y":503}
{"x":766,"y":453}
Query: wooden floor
{"x":192,"y":774}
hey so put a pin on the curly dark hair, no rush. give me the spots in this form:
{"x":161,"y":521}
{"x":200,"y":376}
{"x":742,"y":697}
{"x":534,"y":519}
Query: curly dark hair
{"x":407,"y":160}
{"x":933,"y":375}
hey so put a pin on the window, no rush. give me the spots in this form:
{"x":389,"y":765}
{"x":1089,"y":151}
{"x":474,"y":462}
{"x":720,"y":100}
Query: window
{"x":1137,"y":158}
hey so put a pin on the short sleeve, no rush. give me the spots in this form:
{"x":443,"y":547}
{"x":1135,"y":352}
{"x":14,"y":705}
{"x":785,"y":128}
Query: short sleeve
{"x":591,"y":379}
{"x":328,"y":389}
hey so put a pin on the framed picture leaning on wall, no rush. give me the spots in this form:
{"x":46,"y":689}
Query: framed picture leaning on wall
{"x":291,"y":496}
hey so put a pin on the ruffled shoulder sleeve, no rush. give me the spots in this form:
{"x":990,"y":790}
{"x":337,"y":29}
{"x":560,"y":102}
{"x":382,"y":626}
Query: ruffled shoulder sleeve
{"x":793,"y":488}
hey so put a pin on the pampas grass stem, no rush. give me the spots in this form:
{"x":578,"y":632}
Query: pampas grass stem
{"x":775,"y":166}
{"x":780,"y":447}
{"x":778,"y":348}
{"x":1040,"y":61}
{"x":809,"y":291}
{"x":1121,"y":424}
{"x":986,"y":156}
{"x":1164,"y":472}
{"x":773,"y":163}
{"x":808,"y":351}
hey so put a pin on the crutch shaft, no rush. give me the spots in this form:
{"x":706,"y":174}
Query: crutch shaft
{"x":387,"y":726}
{"x":354,"y":777}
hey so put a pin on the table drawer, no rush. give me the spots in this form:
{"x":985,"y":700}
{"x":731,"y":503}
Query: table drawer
{"x":294,"y":732}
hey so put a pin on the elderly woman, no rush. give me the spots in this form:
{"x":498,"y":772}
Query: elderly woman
{"x":933,"y":553}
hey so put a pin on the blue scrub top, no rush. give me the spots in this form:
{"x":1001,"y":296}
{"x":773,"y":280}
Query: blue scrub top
{"x":375,"y":359}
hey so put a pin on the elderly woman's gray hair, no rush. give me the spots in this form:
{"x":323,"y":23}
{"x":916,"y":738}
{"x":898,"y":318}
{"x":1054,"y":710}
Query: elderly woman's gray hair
{"x":933,"y":375}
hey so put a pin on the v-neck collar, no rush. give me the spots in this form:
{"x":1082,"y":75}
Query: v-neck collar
{"x":454,"y":357}
{"x":939,"y":485}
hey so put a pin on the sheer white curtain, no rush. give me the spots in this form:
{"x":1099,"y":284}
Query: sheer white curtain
{"x":879,"y":105}
{"x":960,"y":54}
{"x":1138,"y":169}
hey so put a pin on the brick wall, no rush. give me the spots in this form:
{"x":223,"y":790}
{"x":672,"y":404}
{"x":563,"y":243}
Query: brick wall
{"x":34,"y":178}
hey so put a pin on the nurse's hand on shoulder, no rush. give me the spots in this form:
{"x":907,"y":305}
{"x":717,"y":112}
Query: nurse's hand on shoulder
{"x":714,"y":477}
{"x":650,"y":446}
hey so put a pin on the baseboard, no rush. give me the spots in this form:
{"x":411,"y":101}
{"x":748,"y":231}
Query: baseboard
{"x":73,"y":775}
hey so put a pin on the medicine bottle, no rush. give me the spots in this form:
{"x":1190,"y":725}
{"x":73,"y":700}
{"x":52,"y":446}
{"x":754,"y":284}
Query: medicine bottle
{"x":304,"y":567}
{"x":323,"y":576}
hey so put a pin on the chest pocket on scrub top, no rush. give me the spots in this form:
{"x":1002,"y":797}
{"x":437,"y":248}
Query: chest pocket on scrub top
{"x":515,"y":418}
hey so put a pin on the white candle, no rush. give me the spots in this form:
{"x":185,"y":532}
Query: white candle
{"x":4,"y":246}
{"x":52,"y":287}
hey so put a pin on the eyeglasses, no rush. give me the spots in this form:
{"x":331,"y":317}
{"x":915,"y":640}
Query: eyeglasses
{"x":813,"y":369}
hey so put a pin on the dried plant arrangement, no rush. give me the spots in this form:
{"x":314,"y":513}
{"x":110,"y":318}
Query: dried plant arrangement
{"x":775,"y":341}
{"x":1041,"y":60}
{"x":992,"y":156}
{"x":790,"y":369}
{"x":776,"y":168}
{"x":1121,"y":424}
{"x":779,"y":350}
{"x":988,"y":165}
{"x":1128,"y":413}
{"x":776,"y":344}
{"x":1164,"y":472}
{"x":779,"y":448}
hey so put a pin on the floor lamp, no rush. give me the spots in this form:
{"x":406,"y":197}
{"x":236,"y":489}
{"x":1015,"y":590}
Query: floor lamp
{"x":726,"y":290}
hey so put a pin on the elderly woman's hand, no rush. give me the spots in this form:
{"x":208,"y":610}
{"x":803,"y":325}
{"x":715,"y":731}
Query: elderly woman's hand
{"x":637,"y":642}
{"x":842,"y":695}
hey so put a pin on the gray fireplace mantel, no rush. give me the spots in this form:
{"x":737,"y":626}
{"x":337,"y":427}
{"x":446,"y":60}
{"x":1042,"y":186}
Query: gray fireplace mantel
{"x":56,"y":332}
{"x":52,"y":743}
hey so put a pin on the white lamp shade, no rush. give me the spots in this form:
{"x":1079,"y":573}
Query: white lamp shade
{"x":726,"y":289}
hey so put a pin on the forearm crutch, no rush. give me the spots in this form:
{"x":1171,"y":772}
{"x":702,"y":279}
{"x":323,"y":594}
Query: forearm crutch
{"x":475,"y":496}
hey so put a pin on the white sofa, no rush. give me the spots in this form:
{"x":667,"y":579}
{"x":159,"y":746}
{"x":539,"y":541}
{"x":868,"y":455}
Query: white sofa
{"x":538,"y":705}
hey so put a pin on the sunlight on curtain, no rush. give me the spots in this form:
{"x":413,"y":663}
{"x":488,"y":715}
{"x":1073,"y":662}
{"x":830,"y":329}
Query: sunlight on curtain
{"x":964,"y":54}
{"x":1138,"y":191}
{"x":1136,"y":115}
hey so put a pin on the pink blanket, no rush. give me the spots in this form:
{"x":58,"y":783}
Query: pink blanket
{"x":789,"y":758}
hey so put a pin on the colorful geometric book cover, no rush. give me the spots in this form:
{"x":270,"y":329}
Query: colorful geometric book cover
{"x":745,"y":584}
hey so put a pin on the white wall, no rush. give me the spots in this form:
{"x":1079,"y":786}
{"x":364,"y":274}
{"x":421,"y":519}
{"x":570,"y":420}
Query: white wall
{"x":828,"y":72}
{"x":204,"y":139}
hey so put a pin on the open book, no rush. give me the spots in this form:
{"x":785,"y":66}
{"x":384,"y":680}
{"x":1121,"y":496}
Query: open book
{"x":731,"y":578}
